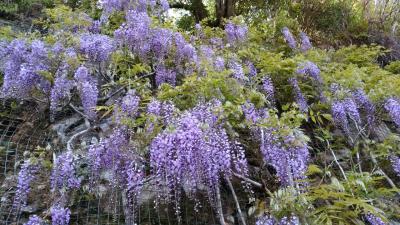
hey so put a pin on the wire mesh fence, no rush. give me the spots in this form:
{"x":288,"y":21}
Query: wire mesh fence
{"x":23,"y":130}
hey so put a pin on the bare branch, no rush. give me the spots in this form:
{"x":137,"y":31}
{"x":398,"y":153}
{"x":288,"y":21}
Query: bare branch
{"x":236,"y":201}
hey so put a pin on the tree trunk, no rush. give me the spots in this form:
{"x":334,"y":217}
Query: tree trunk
{"x":224,"y":9}
{"x":198,"y":10}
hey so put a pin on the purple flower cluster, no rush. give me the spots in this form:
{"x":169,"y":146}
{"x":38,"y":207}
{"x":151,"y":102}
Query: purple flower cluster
{"x":60,"y":91}
{"x":342,"y":111}
{"x":135,"y":33}
{"x":237,"y":70}
{"x":374,"y":220}
{"x":114,"y":155}
{"x":185,"y":53}
{"x":134,"y":179}
{"x":340,"y":116}
{"x":288,"y":155}
{"x":130,"y":103}
{"x":365,"y":104}
{"x":162,"y":109}
{"x":165,"y":75}
{"x":289,"y":38}
{"x":299,"y":97}
{"x":195,"y":153}
{"x":161,"y":41}
{"x":305,"y":42}
{"x":64,"y":174}
{"x":395,"y":160}
{"x":34,"y":220}
{"x":235,"y":33}
{"x":252,"y":114}
{"x":25,"y":177}
{"x":96,"y":47}
{"x":252,"y":69}
{"x":268,"y":220}
{"x":206,"y":52}
{"x":95,"y":27}
{"x":22,"y":64}
{"x":351,"y":109}
{"x":392,"y":105}
{"x":268,"y":89}
{"x":219,"y":64}
{"x":310,"y":69}
{"x":60,"y":215}
{"x":87,"y":87}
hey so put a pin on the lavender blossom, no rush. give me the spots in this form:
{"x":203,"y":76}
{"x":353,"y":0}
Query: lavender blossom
{"x":291,"y":42}
{"x":340,"y":117}
{"x":252,"y":114}
{"x":25,"y":177}
{"x":305,"y":42}
{"x":135,"y":33}
{"x":64,"y":173}
{"x":288,"y":157}
{"x":310,"y":69}
{"x":237,"y":70}
{"x":87,"y":87}
{"x":95,"y":28}
{"x":252,"y":69}
{"x":206,"y":51}
{"x":34,"y":220}
{"x":113,"y":154}
{"x":300,"y":99}
{"x":374,"y":220}
{"x":351,"y":109}
{"x":60,"y":91}
{"x":269,"y":220}
{"x":268,"y":89}
{"x":219,"y":64}
{"x":395,"y":164}
{"x":235,"y":33}
{"x":21,"y":70}
{"x":96,"y":47}
{"x":164,"y":75}
{"x":195,"y":154}
{"x":392,"y":105}
{"x":364,"y":103}
{"x":60,"y":215}
{"x":161,"y":43}
{"x":130,"y":103}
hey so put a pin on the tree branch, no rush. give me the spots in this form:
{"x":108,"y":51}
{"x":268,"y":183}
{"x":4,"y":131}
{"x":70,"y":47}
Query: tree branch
{"x":255,"y":183}
{"x":236,"y":201}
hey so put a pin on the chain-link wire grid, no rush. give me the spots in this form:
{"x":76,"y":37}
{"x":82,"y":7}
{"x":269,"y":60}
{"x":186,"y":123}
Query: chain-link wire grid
{"x":24,"y":128}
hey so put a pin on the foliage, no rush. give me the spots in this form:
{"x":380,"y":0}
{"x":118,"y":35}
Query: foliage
{"x":315,"y":130}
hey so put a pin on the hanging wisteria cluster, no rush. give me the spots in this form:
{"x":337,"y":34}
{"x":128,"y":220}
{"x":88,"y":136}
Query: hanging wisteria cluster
{"x":87,"y":88}
{"x":269,"y":220}
{"x":288,"y":155}
{"x":64,"y":175}
{"x":22,"y":66}
{"x":192,"y":151}
{"x":34,"y":220}
{"x":235,"y":33}
{"x":298,"y":95}
{"x":96,"y":47}
{"x":374,"y":220}
{"x":392,"y":105}
{"x":60,"y":215}
{"x":26,"y":175}
{"x":195,"y":153}
{"x":396,"y":164}
{"x":305,"y":43}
